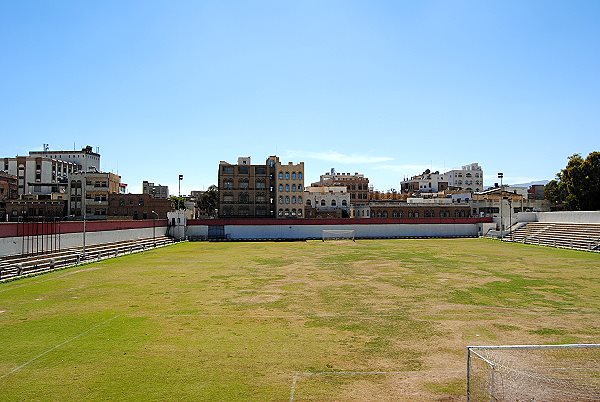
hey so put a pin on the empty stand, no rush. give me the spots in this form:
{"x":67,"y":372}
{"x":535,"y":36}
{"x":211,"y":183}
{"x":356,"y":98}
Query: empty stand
{"x":13,"y":266}
{"x":580,"y":236}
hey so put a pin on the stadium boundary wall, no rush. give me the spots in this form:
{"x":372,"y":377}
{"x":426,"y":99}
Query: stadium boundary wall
{"x":560,"y":217}
{"x":300,"y":229}
{"x":13,"y":236}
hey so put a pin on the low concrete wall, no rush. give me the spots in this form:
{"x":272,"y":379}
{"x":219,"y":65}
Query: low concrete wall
{"x":560,"y":217}
{"x":290,"y":232}
{"x":38,"y":237}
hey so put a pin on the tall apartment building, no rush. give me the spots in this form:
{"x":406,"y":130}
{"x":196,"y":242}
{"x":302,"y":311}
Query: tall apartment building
{"x":155,"y":190}
{"x":356,"y":184}
{"x":269,"y":190}
{"x":289,"y":182}
{"x":39,"y":174}
{"x":469,"y":178}
{"x":88,"y":193}
{"x":85,"y":159}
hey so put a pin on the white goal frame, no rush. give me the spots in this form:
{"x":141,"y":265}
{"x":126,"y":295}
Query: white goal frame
{"x":338,"y":234}
{"x":518,"y":372}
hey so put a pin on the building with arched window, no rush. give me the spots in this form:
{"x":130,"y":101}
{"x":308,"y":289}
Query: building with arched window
{"x":326,"y":202}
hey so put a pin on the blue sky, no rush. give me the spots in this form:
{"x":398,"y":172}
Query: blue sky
{"x":384,"y":88}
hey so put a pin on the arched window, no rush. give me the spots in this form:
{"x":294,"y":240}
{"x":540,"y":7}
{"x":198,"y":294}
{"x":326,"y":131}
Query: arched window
{"x":281,"y":187}
{"x":308,"y":202}
{"x":300,"y":199}
{"x":293,"y":175}
{"x":287,"y":187}
{"x":294,"y":212}
{"x":293,"y":187}
{"x":280,"y":212}
{"x":344,"y":203}
{"x":384,"y":214}
{"x":281,"y":199}
{"x":322,"y":203}
{"x":333,"y":203}
{"x":299,"y":212}
{"x":287,"y":199}
{"x":280,"y":175}
{"x":293,"y":199}
{"x":299,"y":175}
{"x":416,"y":214}
{"x":286,"y":212}
{"x":287,"y":175}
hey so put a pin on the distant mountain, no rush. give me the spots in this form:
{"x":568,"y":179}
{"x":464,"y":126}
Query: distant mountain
{"x":531,"y":183}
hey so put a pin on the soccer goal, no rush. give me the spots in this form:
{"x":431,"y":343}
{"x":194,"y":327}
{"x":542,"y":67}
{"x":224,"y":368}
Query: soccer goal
{"x":533,"y":373}
{"x":330,"y":234}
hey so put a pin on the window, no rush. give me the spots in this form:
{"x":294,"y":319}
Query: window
{"x":293,"y":187}
{"x":287,"y":187}
{"x":228,"y":184}
{"x":286,"y":212}
{"x":299,"y":175}
{"x":287,"y":175}
{"x":260,"y":170}
{"x":227,"y":197}
{"x":244,"y":184}
{"x":294,"y":212}
{"x":243,"y":169}
{"x":280,"y":175}
{"x":299,"y":212}
{"x":281,"y":199}
{"x":280,"y":212}
{"x":260,"y":184}
{"x":281,"y":187}
{"x":293,"y":199}
{"x":333,"y":203}
{"x":344,"y":203}
{"x":293,"y":175}
{"x":308,"y":202}
{"x":300,"y":199}
{"x":228,"y":169}
{"x":322,"y":203}
{"x":287,"y":199}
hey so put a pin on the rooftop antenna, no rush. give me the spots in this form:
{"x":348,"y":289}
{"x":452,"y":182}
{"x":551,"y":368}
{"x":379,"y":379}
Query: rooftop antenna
{"x":45,"y":147}
{"x":73,"y":145}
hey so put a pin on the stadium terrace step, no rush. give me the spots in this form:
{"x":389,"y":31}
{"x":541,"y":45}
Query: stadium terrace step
{"x":579,"y":236}
{"x":14,"y":266}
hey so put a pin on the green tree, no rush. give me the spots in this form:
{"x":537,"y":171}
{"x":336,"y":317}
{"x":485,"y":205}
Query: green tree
{"x":577,"y":186}
{"x":209,"y":201}
{"x":177,"y":202}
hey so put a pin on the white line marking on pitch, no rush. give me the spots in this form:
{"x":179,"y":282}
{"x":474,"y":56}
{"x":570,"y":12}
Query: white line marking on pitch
{"x":297,"y":376}
{"x":56,"y":347}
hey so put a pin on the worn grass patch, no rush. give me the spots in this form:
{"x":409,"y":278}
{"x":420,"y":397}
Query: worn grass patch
{"x":238,"y":321}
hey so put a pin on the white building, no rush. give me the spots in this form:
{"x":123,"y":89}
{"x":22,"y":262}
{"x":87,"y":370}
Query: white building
{"x":328,"y":201}
{"x":85,"y":159}
{"x":426,"y":182}
{"x":469,"y":178}
{"x":38,"y":174}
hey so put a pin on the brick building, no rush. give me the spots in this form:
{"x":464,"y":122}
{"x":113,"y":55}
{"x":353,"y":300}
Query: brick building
{"x":137,"y":206}
{"x":356,"y":184}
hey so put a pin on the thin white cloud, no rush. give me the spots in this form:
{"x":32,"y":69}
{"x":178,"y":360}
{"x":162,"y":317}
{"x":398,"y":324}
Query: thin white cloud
{"x":338,"y":157}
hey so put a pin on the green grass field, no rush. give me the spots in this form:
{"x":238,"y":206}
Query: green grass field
{"x":372,"y":320}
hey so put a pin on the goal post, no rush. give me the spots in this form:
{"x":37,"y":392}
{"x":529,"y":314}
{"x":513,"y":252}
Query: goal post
{"x":338,"y":234}
{"x":533,"y":372}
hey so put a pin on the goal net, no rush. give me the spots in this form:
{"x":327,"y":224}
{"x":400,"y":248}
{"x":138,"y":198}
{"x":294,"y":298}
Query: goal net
{"x":533,"y":373}
{"x":331,"y":234}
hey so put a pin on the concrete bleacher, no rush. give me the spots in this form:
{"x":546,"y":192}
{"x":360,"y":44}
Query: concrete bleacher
{"x":580,"y":236}
{"x":22,"y":265}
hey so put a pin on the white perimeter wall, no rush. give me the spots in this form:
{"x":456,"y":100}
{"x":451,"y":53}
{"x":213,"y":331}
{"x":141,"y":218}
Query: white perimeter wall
{"x":13,"y":245}
{"x":241,"y":232}
{"x":560,"y":217}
